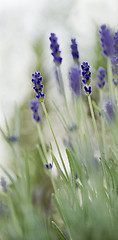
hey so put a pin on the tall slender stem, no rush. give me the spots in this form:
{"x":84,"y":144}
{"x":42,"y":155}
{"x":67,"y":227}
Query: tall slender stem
{"x":95,"y":126}
{"x":109,"y":73}
{"x":42,"y":142}
{"x":45,"y":111}
{"x":103,"y":126}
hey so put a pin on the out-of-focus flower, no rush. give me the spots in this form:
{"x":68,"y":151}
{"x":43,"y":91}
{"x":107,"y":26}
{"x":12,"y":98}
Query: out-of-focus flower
{"x":34,"y":106}
{"x":106,"y":39}
{"x":110,"y":109}
{"x":48,"y":165}
{"x":114,"y":59}
{"x":13,"y":138}
{"x":73,"y":127}
{"x":115,"y":44}
{"x":74,"y":50}
{"x":75,"y":80}
{"x":114,"y":63}
{"x":54,"y":46}
{"x":4,"y":184}
{"x":101,"y":74}
{"x":38,"y":86}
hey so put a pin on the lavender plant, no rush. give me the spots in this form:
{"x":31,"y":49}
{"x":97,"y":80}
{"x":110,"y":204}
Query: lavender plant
{"x":82,"y":201}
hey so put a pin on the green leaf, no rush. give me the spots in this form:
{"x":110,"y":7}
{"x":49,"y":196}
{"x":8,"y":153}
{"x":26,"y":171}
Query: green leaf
{"x":72,"y":167}
{"x":58,"y":230}
{"x":58,"y":168}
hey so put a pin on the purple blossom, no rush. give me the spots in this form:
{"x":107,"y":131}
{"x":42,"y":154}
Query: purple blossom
{"x":106,"y":39}
{"x":74,"y":50}
{"x":86,"y":74}
{"x":75,"y":80}
{"x":35,"y":109}
{"x":101,"y":74}
{"x":38,"y":86}
{"x":87,"y":90}
{"x":54,"y":46}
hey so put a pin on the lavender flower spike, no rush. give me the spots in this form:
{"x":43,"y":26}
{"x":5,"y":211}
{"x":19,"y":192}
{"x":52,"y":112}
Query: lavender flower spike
{"x":75,"y":80}
{"x":86,"y":74}
{"x":54,"y":46}
{"x":74,"y":51}
{"x":38,"y":86}
{"x":101,"y":74}
{"x":35,"y":109}
{"x":106,"y":40}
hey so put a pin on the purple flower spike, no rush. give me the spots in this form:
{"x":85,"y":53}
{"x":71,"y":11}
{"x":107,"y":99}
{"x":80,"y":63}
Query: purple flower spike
{"x":75,"y":80}
{"x":74,"y":51}
{"x":38,"y":86}
{"x":54,"y":46}
{"x":101,"y":74}
{"x":86,"y":74}
{"x":35,"y":109}
{"x":106,"y":39}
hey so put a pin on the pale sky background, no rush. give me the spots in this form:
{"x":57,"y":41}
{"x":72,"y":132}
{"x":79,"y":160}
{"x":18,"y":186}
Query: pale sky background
{"x":22,"y":21}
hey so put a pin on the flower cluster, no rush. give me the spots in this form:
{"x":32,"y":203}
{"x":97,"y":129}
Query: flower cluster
{"x":106,"y":39}
{"x":75,"y":80}
{"x":74,"y":51}
{"x":101,"y":74}
{"x":54,"y":46}
{"x":38,"y":86}
{"x":86,"y":74}
{"x":35,"y":108}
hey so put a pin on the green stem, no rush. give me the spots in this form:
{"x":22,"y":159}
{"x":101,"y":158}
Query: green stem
{"x":42,"y":142}
{"x":110,"y":83}
{"x":63,"y":92}
{"x":95,"y":126}
{"x":103,"y":127}
{"x":61,"y":83}
{"x":46,"y":114}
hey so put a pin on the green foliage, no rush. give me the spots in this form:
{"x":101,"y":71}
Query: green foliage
{"x":81,"y":201}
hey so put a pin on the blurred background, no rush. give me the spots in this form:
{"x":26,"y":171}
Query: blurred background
{"x":25,"y":26}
